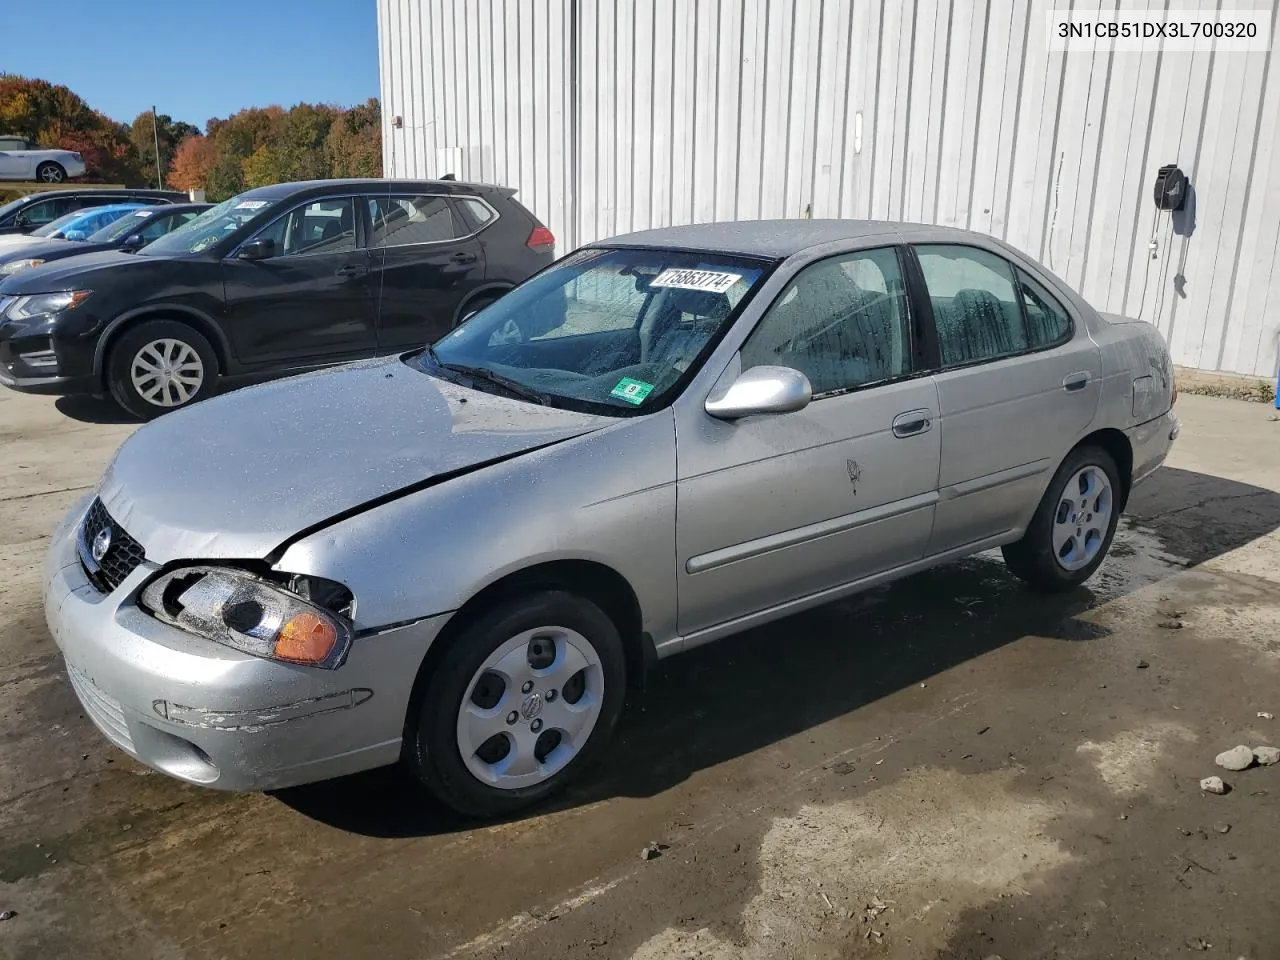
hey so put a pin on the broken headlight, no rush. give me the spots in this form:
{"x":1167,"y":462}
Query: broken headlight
{"x":297,"y":623}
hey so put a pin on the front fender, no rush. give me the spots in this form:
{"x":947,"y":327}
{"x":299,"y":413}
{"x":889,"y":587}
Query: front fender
{"x":607,"y":496}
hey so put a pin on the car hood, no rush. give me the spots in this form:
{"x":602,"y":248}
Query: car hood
{"x":13,"y":241}
{"x":68,"y":273}
{"x":238,"y":475}
{"x":51,"y":249}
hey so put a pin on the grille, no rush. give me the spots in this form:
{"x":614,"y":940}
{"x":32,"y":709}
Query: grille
{"x":123,"y":554}
{"x":102,"y":709}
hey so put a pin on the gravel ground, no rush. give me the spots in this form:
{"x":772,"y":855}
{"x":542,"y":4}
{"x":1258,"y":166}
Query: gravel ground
{"x":948,"y":767}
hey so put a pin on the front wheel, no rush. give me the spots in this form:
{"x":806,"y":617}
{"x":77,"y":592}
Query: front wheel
{"x":522,"y":699}
{"x":1071,"y":531}
{"x":160,"y":366}
{"x":50,"y":172}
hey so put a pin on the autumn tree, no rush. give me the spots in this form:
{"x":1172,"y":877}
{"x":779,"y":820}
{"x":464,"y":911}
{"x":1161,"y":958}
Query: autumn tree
{"x":191,"y":164}
{"x":53,"y":116}
{"x":354,"y":143}
{"x":142,"y":133}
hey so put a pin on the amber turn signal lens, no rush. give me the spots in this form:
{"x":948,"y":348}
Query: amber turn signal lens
{"x":306,"y":638}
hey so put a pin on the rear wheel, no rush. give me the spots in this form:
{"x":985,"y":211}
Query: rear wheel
{"x":522,"y":699}
{"x":160,"y":366}
{"x":50,"y":172}
{"x":1071,"y":531}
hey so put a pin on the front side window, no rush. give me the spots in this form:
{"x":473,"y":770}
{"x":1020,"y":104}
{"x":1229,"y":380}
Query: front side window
{"x":47,"y":211}
{"x":605,"y":330}
{"x":322,"y":226}
{"x":401,"y":221}
{"x":976,"y":310}
{"x":842,"y":322}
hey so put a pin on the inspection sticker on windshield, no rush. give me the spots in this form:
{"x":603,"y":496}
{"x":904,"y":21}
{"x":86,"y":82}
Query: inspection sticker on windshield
{"x":251,"y":204}
{"x":712,"y":281}
{"x":632,"y":391}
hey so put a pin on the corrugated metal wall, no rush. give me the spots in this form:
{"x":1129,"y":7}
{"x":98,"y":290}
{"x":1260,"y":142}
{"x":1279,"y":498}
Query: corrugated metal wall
{"x":946,"y":111}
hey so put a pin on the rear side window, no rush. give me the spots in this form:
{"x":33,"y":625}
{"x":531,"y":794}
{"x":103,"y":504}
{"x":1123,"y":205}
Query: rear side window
{"x":402,"y":221}
{"x":1048,"y":322}
{"x":476,"y":211}
{"x":977,"y":312}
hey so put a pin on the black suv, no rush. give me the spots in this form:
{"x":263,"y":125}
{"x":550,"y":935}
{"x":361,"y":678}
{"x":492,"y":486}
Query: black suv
{"x":35,"y":210}
{"x":281,"y":278}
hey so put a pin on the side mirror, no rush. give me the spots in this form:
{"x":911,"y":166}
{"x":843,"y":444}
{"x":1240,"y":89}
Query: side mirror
{"x":21,"y":220}
{"x":759,"y":391}
{"x":258,"y":249}
{"x":75,"y":235}
{"x":132,"y":242}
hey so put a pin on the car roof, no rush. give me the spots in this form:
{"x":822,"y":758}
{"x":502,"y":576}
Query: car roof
{"x":122,"y":192}
{"x":278,"y":191}
{"x":777,"y":239}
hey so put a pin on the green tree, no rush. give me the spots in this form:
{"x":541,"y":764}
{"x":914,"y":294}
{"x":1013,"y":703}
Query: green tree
{"x":354,"y":143}
{"x":142,"y":132}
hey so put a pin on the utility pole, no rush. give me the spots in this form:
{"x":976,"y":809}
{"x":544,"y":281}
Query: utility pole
{"x":155,"y":129}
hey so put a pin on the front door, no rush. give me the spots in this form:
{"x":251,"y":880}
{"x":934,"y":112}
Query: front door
{"x":312,"y":300}
{"x":1019,"y":384}
{"x":427,"y":261}
{"x":779,"y":508}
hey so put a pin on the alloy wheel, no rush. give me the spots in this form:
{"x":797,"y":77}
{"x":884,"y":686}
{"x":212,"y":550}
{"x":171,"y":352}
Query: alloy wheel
{"x":530,"y":708}
{"x":167,"y":372}
{"x":1082,"y":518}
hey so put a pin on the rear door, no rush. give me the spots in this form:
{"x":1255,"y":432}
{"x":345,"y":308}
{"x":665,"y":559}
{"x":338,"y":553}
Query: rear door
{"x":426,"y":259}
{"x":310,"y":302}
{"x":1018,"y":385}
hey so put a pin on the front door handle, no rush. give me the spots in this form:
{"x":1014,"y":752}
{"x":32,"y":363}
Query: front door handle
{"x":461,"y":257}
{"x":351,"y":270}
{"x":912,"y":423}
{"x":1076,"y":381}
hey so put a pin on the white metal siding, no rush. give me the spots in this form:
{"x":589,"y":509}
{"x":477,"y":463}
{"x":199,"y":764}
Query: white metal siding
{"x":944,"y":111}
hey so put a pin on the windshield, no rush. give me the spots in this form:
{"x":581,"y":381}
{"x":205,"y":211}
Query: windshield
{"x":55,"y":228}
{"x":114,"y":231}
{"x":212,"y":226}
{"x":604,"y":330}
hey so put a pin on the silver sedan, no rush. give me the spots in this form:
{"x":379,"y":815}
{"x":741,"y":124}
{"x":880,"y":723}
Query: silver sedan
{"x":462,"y":556}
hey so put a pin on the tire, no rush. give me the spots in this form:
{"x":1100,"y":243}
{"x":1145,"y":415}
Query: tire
{"x":51,"y":172}
{"x":157,"y":344}
{"x":488,"y":691}
{"x":1053,"y":557}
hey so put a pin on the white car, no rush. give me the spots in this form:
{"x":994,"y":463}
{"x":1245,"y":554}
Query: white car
{"x":19,"y":160}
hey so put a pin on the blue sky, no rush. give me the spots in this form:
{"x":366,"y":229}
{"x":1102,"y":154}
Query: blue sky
{"x":216,"y":58}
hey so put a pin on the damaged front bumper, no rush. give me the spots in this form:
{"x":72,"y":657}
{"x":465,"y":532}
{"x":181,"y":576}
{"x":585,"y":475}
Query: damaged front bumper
{"x":215,"y":716}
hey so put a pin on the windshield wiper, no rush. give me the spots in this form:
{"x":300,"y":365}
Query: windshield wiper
{"x":488,"y":376}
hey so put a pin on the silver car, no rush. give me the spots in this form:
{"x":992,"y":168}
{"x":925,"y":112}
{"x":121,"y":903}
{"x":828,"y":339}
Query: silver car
{"x":460,"y":557}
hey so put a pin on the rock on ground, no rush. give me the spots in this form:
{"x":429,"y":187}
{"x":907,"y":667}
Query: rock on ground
{"x":1237,"y":758}
{"x":1266,"y":755}
{"x":1213,"y":785}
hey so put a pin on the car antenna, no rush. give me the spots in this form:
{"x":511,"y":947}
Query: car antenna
{"x":448,"y":176}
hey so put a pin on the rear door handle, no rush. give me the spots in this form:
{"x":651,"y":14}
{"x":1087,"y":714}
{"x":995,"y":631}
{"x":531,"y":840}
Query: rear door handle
{"x":912,"y":423}
{"x":351,"y":270}
{"x":461,"y":257}
{"x":1076,"y":381}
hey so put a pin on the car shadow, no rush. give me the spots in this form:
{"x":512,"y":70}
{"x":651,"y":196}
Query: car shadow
{"x":89,"y":409}
{"x":734,"y":697}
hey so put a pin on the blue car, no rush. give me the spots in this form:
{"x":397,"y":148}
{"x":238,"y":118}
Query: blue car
{"x":130,"y":232}
{"x":74,"y":226}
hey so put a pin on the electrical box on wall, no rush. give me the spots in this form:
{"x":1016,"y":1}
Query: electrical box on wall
{"x":1171,"y":187}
